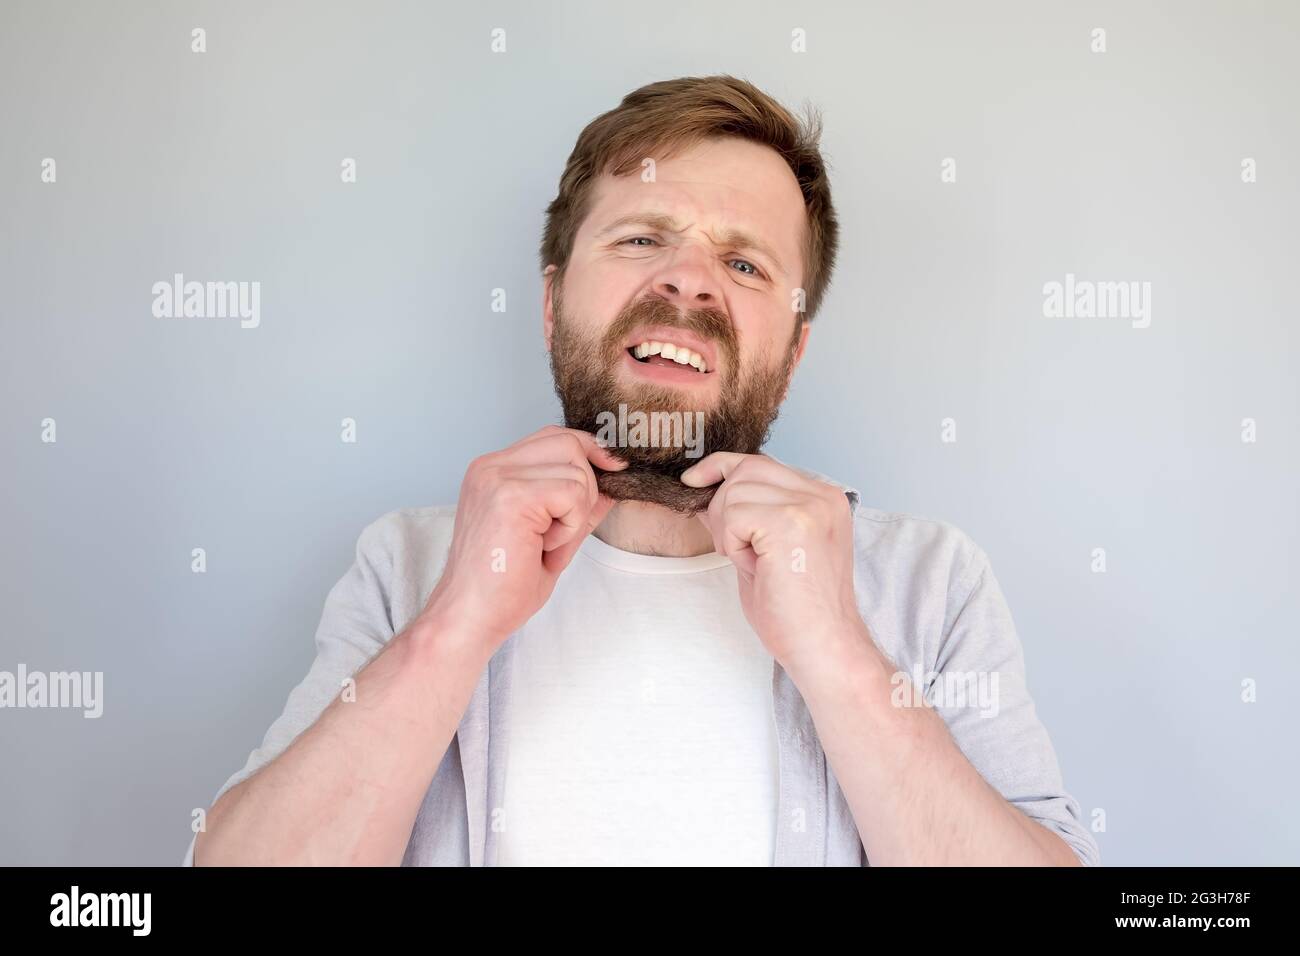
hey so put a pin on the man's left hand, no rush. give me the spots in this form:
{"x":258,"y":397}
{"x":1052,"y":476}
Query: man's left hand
{"x":791,"y":540}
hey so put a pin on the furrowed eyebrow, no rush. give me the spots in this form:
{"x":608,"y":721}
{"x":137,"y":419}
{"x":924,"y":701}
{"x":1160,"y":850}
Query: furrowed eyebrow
{"x":735,"y":238}
{"x":652,"y":220}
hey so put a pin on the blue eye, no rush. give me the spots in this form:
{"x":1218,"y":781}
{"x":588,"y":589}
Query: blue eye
{"x":636,"y":240}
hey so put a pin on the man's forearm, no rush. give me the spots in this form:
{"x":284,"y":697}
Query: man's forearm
{"x":348,"y":789}
{"x":914,"y":796}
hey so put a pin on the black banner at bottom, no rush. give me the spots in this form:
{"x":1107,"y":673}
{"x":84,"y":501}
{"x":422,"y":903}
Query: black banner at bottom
{"x":333,"y":906}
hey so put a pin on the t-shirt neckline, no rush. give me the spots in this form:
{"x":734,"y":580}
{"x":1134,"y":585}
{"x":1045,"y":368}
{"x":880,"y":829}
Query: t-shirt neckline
{"x":610,"y":556}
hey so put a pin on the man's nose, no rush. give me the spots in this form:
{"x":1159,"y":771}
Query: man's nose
{"x":689,"y":281}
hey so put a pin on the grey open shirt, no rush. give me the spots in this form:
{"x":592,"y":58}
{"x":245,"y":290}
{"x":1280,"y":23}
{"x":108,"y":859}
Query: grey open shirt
{"x":926,"y":591}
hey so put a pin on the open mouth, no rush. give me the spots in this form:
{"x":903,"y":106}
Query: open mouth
{"x":668,"y":355}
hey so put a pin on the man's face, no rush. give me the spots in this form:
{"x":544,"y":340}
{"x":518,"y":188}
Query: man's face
{"x":704,"y":259}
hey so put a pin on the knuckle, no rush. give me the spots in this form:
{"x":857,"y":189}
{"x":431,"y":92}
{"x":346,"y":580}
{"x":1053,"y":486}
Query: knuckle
{"x":797,"y":518}
{"x":509,"y":491}
{"x":574,"y":444}
{"x":479,"y":472}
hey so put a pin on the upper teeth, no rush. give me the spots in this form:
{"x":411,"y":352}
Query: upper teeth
{"x":678,"y":353}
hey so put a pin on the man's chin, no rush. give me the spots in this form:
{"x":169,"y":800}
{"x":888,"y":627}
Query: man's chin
{"x":654,"y":487}
{"x":668,"y":399}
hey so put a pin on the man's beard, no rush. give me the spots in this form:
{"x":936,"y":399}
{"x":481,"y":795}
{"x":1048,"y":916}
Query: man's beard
{"x":587,"y":383}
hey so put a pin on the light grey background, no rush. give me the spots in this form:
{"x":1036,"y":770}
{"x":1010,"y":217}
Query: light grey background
{"x":1072,"y":434}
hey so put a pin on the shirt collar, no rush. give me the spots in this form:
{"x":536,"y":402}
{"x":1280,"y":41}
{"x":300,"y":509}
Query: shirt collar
{"x":849,"y":491}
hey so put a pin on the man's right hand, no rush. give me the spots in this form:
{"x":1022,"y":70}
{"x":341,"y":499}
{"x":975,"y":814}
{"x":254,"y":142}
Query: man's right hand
{"x":522,"y":515}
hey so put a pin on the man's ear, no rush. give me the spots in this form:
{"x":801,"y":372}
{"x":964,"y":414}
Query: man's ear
{"x":804,"y":329}
{"x":548,"y":315}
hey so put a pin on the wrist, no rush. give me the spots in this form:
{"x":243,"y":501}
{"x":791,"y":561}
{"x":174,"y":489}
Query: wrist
{"x":843,"y":659}
{"x":440,"y":638}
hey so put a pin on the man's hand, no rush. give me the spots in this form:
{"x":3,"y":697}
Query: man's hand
{"x":791,"y":540}
{"x":523,"y":513}
{"x":348,"y":789}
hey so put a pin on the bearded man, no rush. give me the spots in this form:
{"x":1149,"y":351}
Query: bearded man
{"x":663,"y":652}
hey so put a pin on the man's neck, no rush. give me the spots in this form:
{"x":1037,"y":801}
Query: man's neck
{"x":644,"y":528}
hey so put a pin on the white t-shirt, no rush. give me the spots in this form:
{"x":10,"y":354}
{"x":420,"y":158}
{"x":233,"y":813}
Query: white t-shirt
{"x":636,"y":688}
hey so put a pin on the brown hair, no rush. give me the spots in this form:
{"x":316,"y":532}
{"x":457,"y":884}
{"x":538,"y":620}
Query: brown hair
{"x":666,"y":116}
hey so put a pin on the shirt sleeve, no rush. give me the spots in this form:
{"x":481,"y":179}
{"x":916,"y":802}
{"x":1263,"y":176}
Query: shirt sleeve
{"x":979,"y":687}
{"x":354,"y":626}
